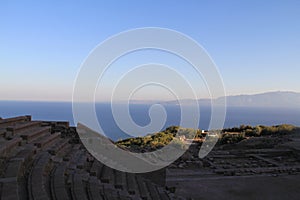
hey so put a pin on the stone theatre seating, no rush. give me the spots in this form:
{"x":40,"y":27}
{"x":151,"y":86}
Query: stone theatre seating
{"x":45,"y":160}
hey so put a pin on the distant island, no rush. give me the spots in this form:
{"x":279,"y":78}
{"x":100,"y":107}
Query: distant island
{"x":268,"y":99}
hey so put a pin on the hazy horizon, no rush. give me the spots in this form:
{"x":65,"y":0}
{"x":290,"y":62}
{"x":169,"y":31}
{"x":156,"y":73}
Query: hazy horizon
{"x":43,"y":45}
{"x":154,"y":100}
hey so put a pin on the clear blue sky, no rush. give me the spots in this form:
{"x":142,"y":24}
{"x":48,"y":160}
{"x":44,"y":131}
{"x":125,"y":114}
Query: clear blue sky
{"x":255,"y":44}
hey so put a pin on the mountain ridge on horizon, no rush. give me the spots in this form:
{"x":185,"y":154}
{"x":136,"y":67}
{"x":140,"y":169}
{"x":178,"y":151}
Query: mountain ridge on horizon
{"x":266,"y":99}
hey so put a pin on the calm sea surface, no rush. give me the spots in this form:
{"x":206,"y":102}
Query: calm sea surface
{"x":62,"y":111}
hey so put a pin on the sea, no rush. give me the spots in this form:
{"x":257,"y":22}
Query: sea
{"x":235,"y":116}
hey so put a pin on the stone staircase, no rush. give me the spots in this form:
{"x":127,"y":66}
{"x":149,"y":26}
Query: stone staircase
{"x":45,"y":160}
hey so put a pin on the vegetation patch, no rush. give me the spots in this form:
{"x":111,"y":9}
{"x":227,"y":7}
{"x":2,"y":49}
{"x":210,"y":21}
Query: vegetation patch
{"x":180,"y":136}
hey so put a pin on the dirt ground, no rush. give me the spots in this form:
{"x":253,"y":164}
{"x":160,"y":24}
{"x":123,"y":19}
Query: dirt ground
{"x":258,"y":187}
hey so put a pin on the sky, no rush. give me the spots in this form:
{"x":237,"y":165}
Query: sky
{"x":255,"y":44}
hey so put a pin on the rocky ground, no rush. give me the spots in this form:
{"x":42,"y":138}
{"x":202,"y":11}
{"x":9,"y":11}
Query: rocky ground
{"x":46,"y":160}
{"x":266,"y":167}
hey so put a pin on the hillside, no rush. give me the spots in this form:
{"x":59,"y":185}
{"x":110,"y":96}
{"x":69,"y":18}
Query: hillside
{"x":233,"y":135}
{"x":268,"y":99}
{"x":158,"y":140}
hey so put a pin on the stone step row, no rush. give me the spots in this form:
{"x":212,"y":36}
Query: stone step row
{"x":23,"y":126}
{"x":13,"y":174}
{"x":38,"y":176}
{"x":82,"y":161}
{"x":15,"y":186}
{"x":258,"y":170}
{"x":110,"y":192}
{"x":162,"y":194}
{"x":12,"y":121}
{"x":107,"y":175}
{"x":116,"y":184}
{"x":132,"y":186}
{"x":96,"y":169}
{"x":59,"y":146}
{"x":2,"y":132}
{"x":69,"y":155}
{"x":10,"y":190}
{"x":267,"y":160}
{"x":120,"y":179}
{"x":14,"y":169}
{"x":143,"y":191}
{"x":58,"y":184}
{"x":26,"y":155}
{"x":152,"y":190}
{"x":131,"y":183}
{"x":78,"y":188}
{"x":46,"y":140}
{"x":95,"y":190}
{"x":34,"y":133}
{"x":75,"y":158}
{"x":8,"y":146}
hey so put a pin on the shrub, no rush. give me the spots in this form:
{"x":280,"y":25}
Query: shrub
{"x":232,"y":138}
